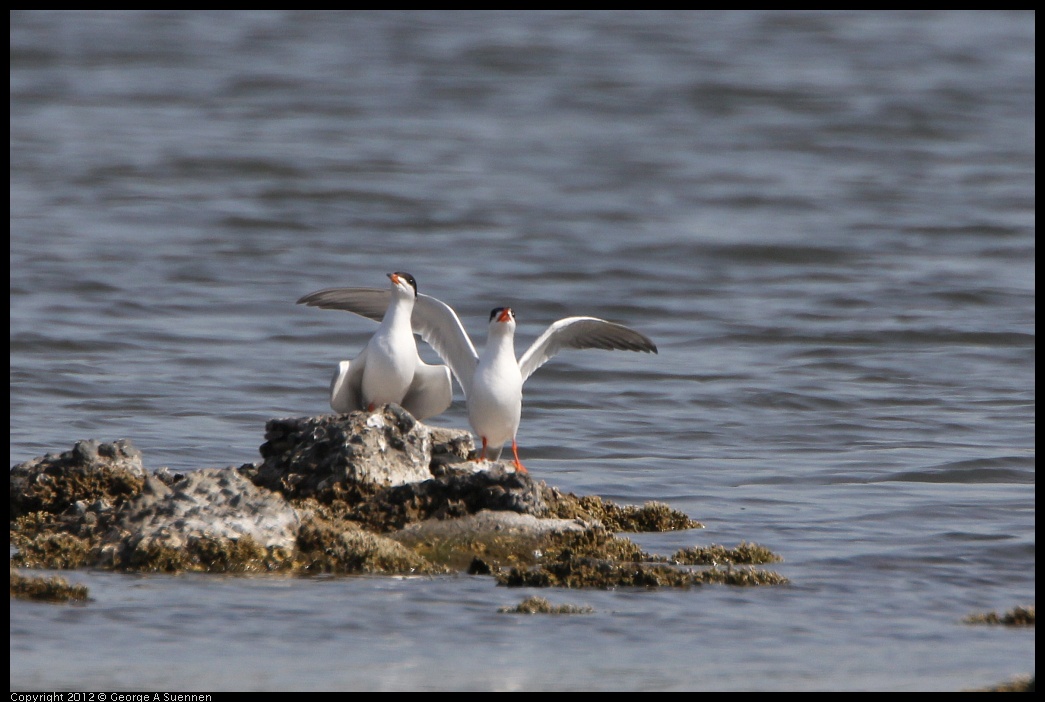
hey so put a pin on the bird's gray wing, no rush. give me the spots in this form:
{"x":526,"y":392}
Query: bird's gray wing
{"x":441,"y":328}
{"x":366,"y":302}
{"x":581,"y":333}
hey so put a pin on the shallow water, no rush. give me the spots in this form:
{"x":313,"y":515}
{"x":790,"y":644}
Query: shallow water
{"x":824,"y":220}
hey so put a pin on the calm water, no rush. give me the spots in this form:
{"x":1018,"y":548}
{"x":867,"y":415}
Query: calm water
{"x":825,"y":221}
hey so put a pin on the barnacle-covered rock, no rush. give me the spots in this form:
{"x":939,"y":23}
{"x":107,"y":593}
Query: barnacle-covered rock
{"x":365,"y":492}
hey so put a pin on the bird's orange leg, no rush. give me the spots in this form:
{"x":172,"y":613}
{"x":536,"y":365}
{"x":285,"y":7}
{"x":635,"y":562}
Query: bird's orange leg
{"x":515,"y":451}
{"x":482,"y":456}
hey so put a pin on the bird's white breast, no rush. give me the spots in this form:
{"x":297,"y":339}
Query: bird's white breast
{"x":390,"y":362}
{"x":495,"y":403}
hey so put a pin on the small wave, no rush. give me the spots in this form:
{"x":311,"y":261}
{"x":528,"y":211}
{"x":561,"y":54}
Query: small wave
{"x":1003,"y":469}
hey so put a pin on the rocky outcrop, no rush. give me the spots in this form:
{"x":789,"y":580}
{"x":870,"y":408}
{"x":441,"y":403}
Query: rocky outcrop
{"x":209,"y":505}
{"x":317,"y":456}
{"x":90,"y":471}
{"x":366,"y":492}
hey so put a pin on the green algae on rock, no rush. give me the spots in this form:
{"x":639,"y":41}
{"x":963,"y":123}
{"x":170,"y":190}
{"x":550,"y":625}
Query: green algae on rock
{"x":343,"y":548}
{"x":53,"y":589}
{"x":653,"y":516}
{"x":599,"y":559}
{"x":603,"y":574}
{"x":57,"y":551}
{"x":1021,"y":684}
{"x":203,"y":554}
{"x":480,"y":542}
{"x":1018,"y":616}
{"x":90,"y":471}
{"x":744,"y":553}
{"x":539,"y":605}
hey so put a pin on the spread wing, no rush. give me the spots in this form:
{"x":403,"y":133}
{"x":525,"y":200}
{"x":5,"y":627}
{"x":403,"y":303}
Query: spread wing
{"x":366,"y":302}
{"x":434,"y":320}
{"x":581,"y":333}
{"x":441,"y":328}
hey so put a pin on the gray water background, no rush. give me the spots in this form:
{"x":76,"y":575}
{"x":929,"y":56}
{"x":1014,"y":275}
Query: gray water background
{"x":825,"y":220}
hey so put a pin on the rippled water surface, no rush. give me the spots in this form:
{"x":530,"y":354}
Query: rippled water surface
{"x":824,"y":220}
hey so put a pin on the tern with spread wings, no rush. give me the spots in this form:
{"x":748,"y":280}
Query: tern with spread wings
{"x":493,"y":381}
{"x":388,"y":369}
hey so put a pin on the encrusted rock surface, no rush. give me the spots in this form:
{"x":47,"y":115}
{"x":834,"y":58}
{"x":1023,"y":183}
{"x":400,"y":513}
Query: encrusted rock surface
{"x":91,"y":470}
{"x":366,"y":492}
{"x":314,"y":456}
{"x":210,"y":503}
{"x":454,"y":494}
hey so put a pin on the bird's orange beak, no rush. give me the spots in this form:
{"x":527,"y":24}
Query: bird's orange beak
{"x":394,"y":277}
{"x":506,"y":315}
